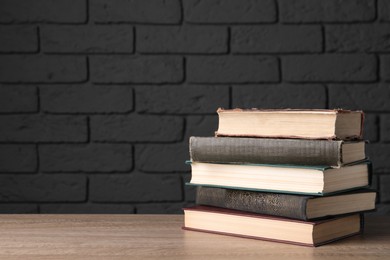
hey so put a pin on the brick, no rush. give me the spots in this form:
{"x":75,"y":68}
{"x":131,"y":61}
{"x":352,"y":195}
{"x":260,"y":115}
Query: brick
{"x":18,"y":208}
{"x":276,"y":39}
{"x":330,"y":68}
{"x":37,"y":69}
{"x":384,"y":181}
{"x":279,"y":96}
{"x":136,"y":128}
{"x":385,"y":67}
{"x":312,"y":11}
{"x":87,"y":39}
{"x":41,"y":188}
{"x":371,"y":127}
{"x":86,"y":99}
{"x":86,"y":208}
{"x":232,"y":69}
{"x":86,"y":158}
{"x":186,"y":99}
{"x":379,"y":155}
{"x":43,"y":11}
{"x":135,"y":188}
{"x":358,"y":38}
{"x":375,"y":184}
{"x":366,"y":97}
{"x":136,"y":69}
{"x":384,"y":10}
{"x":385,"y":128}
{"x":136,"y":11}
{"x":381,"y":210}
{"x":229,"y":11}
{"x":189,"y":190}
{"x":182,"y":39}
{"x":18,"y":99}
{"x":42,"y":128}
{"x":18,"y":39}
{"x":162,"y":158}
{"x":18,"y":158}
{"x":201,"y":126}
{"x":162,"y":208}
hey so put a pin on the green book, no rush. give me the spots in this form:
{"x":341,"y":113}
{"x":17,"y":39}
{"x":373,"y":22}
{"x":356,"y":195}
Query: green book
{"x":311,"y":180}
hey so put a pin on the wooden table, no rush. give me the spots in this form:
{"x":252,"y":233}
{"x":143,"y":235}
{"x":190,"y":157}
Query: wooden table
{"x":160,"y":236}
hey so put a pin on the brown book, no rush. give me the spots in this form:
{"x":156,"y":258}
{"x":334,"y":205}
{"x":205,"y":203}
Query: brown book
{"x":250,"y":225}
{"x":334,"y":153}
{"x":291,"y":123}
{"x":287,"y":205}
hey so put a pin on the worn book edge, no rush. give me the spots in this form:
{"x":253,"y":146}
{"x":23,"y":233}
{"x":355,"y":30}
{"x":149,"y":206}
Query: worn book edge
{"x":324,"y":111}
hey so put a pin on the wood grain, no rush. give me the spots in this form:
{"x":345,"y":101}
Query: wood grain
{"x":161,"y":236}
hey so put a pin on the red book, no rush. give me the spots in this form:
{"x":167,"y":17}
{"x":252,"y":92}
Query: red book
{"x":284,"y":230}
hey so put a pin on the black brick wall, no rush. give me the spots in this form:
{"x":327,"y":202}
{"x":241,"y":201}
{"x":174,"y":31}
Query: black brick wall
{"x":98,"y":98}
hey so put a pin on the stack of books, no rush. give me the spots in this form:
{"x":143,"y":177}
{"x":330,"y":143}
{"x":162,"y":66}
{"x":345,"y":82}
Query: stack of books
{"x":293,"y":176}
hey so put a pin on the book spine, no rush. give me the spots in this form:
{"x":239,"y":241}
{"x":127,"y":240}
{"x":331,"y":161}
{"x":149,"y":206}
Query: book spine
{"x":274,"y":204}
{"x":265,"y":151}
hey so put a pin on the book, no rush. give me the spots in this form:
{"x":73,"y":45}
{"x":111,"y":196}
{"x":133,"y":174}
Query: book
{"x":313,"y":180}
{"x":251,"y":225}
{"x":287,"y":205}
{"x":276,"y":151}
{"x":291,"y":123}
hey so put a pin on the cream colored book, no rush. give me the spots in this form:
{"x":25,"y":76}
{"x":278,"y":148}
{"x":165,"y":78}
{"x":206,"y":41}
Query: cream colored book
{"x":291,"y":123}
{"x":281,"y":178}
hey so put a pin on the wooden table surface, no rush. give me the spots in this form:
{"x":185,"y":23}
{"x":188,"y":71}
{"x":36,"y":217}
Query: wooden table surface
{"x":160,"y":236}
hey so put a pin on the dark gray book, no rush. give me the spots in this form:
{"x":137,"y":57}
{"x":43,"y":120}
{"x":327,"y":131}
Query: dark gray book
{"x":276,"y":151}
{"x":286,"y":205}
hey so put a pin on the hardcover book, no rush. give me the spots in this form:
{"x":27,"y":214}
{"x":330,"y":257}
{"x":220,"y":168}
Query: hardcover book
{"x":291,"y":123}
{"x":276,"y":151}
{"x":281,"y":178}
{"x":250,"y":225}
{"x":287,"y":205}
